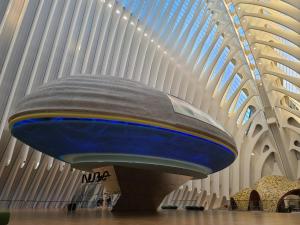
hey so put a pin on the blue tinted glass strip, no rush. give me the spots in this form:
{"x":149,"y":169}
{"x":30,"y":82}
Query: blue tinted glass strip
{"x":207,"y":43}
{"x":213,"y":54}
{"x":220,"y":63}
{"x":236,"y":82}
{"x":226,"y":75}
{"x":181,"y":14}
{"x":153,"y":14}
{"x":195,"y":27}
{"x":291,"y":87}
{"x":145,"y":8}
{"x":200,"y":36}
{"x":171,"y":16}
{"x":248,"y":114}
{"x":241,"y":99}
{"x":189,"y":19}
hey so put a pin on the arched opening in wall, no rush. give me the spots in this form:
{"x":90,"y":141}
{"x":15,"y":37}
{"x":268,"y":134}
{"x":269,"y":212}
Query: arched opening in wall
{"x":219,"y":63}
{"x":288,"y":85}
{"x":246,"y":115}
{"x":226,"y":75}
{"x":266,"y":148}
{"x":270,"y":166}
{"x":249,"y":112}
{"x":255,"y":203}
{"x":232,"y":88}
{"x":289,"y":202}
{"x":239,"y":101}
{"x":289,"y":102}
{"x":233,"y":205}
{"x":257,"y":129}
{"x":293,"y":122}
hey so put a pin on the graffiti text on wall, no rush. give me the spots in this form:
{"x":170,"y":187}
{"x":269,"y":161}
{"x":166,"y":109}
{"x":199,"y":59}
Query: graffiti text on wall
{"x":95,"y":177}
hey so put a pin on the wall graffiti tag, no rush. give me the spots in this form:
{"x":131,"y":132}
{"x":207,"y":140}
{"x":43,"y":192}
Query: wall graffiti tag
{"x":95,"y":177}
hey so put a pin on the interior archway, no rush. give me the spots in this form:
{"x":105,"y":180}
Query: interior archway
{"x":233,"y":205}
{"x":288,"y":202}
{"x":255,"y":203}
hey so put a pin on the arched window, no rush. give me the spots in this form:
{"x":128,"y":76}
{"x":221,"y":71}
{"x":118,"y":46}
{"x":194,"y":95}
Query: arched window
{"x":290,"y":87}
{"x":243,"y":95}
{"x":236,"y":82}
{"x":214,"y":52}
{"x":249,"y":112}
{"x":220,"y":63}
{"x":290,"y":102}
{"x":227,"y":74}
{"x":241,"y":99}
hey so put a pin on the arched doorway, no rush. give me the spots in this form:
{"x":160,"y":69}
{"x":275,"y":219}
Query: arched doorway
{"x":254,"y":201}
{"x":233,"y":205}
{"x":289,"y":202}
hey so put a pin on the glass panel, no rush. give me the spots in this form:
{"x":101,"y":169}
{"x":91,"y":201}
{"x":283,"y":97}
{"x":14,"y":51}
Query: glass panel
{"x":234,"y":86}
{"x":200,"y":36}
{"x":226,"y":75}
{"x":250,"y":110}
{"x":213,"y":54}
{"x":181,"y":14}
{"x":241,"y":99}
{"x":207,"y":43}
{"x":220,"y":63}
{"x":189,"y":18}
{"x":195,"y":26}
{"x":291,"y":87}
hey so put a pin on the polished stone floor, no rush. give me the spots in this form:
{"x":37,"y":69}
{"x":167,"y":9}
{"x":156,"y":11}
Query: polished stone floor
{"x":179,"y":217}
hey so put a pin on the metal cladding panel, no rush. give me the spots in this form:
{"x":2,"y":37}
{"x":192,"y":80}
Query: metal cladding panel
{"x":85,"y":115}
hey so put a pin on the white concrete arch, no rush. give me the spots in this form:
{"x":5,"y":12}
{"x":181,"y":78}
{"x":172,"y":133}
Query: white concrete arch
{"x":41,"y":41}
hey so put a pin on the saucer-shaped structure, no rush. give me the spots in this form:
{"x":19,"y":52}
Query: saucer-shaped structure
{"x":94,"y":121}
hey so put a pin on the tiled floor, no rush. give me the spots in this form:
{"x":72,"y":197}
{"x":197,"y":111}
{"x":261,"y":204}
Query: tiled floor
{"x":180,"y":217}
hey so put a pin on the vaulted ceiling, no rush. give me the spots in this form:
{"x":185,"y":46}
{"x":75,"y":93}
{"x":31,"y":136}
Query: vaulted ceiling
{"x":237,"y":60}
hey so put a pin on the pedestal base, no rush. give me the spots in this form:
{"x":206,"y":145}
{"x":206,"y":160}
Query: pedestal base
{"x":144,"y":190}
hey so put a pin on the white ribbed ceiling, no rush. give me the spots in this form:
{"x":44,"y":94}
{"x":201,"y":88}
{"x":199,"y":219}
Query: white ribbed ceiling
{"x":235,"y":60}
